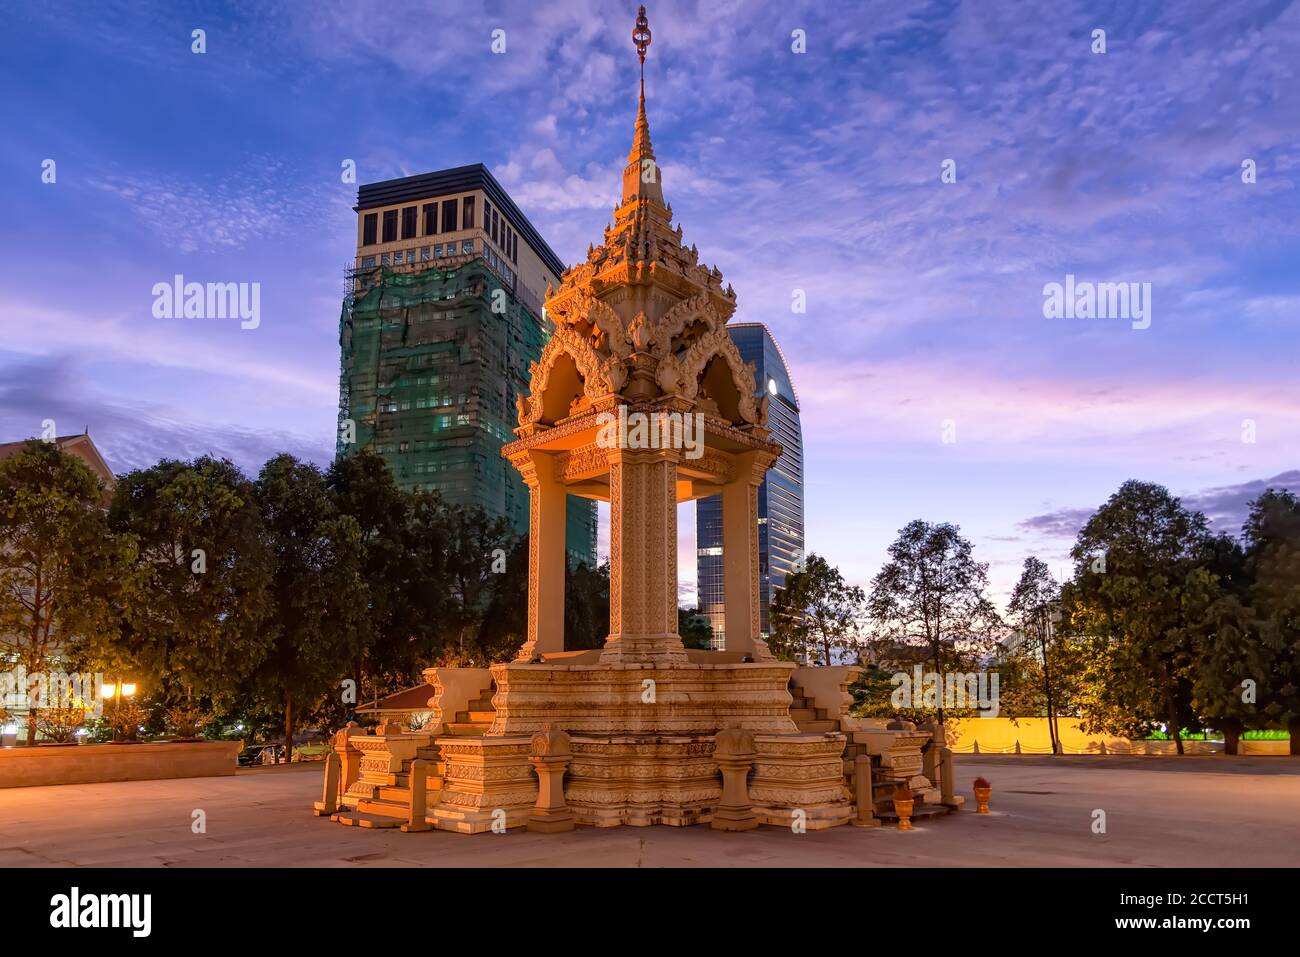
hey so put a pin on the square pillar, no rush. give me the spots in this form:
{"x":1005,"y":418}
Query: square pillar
{"x":740,"y":556}
{"x":547,"y":559}
{"x":643,"y":558}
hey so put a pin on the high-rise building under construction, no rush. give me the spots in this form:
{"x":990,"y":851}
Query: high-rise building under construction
{"x":441,"y":317}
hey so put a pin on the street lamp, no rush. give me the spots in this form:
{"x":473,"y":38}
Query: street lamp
{"x":115,"y":693}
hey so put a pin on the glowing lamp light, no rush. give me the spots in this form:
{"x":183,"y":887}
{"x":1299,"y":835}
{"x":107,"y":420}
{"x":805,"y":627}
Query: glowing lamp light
{"x":128,"y":690}
{"x":107,"y":691}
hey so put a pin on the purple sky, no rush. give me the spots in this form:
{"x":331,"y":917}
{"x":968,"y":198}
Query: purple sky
{"x":817,"y":172}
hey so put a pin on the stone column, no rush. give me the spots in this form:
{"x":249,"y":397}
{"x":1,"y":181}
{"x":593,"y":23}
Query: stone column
{"x":349,"y":756}
{"x":740,"y":557}
{"x":862,"y":794}
{"x":417,"y":819}
{"x":643,"y":558}
{"x":329,"y":802}
{"x":547,"y":558}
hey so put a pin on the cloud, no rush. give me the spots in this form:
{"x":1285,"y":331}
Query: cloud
{"x":1227,"y":506}
{"x":131,"y":435}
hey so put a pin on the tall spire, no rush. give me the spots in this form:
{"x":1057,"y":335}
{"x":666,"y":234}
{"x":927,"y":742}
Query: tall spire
{"x":641,"y":178}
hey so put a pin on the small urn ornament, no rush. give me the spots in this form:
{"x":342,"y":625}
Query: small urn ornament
{"x":903,"y":803}
{"x":983,"y":790}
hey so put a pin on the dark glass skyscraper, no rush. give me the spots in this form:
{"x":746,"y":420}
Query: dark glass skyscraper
{"x":780,"y":498}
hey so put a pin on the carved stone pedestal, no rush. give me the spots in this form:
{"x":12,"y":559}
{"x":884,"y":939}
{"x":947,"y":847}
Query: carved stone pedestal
{"x":487,"y":784}
{"x":550,"y":758}
{"x":733,"y":749}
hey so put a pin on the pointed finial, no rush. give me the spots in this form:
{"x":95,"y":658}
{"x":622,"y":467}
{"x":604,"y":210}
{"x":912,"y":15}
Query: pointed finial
{"x":641,"y":36}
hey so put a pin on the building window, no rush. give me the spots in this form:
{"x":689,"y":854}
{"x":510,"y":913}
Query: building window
{"x":409,"y":222}
{"x":383,"y":259}
{"x":467,"y":246}
{"x":495,"y":224}
{"x":424,"y":254}
{"x":390,"y":225}
{"x":369,"y":229}
{"x":467,"y":219}
{"x":449,"y":215}
{"x":487,"y":216}
{"x":514,"y":247}
{"x":430,"y":219}
{"x":368,"y":262}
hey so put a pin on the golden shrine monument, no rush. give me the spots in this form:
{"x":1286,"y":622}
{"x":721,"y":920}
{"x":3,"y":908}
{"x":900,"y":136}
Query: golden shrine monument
{"x":642,"y":731}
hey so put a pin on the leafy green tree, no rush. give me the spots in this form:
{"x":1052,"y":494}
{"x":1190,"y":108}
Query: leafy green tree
{"x":316,"y":628}
{"x":477,"y":544}
{"x":694,"y":628}
{"x":932,"y":595}
{"x":505,"y":622}
{"x":400,"y":585}
{"x":1132,"y":603}
{"x":1271,"y":537}
{"x":586,"y":606}
{"x":59,"y":567}
{"x":198,"y":601}
{"x":815,"y":616}
{"x":1033,"y":609}
{"x":1226,"y":646}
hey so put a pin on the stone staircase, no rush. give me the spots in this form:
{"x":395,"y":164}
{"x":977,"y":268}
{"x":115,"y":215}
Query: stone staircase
{"x":885,"y":780}
{"x":807,"y":717}
{"x":476,"y":719}
{"x":383,"y":796}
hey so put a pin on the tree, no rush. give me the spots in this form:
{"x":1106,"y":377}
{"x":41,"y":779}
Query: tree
{"x":586,"y":606}
{"x":931,"y":595}
{"x":316,"y":628}
{"x":1033,"y":608}
{"x":59,"y":567}
{"x":816,"y":614}
{"x":1271,"y":537}
{"x":198,"y":600}
{"x":1130,"y":601}
{"x":694,"y":628}
{"x":364,"y":489}
{"x":476,"y":543}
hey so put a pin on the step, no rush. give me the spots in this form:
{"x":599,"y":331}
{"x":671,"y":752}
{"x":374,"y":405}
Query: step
{"x":476,"y":717}
{"x":919,"y":811}
{"x":357,"y":819}
{"x":800,"y":715}
{"x":378,"y":808}
{"x":808,"y":727}
{"x":467,"y":729}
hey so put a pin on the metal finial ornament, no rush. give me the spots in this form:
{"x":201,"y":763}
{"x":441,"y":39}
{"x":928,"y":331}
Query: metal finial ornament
{"x":641,"y":37}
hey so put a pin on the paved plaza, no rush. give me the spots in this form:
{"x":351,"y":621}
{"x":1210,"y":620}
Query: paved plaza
{"x":1193,"y":811}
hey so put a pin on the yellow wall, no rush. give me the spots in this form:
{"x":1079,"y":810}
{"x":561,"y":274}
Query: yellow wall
{"x":1002,"y":735}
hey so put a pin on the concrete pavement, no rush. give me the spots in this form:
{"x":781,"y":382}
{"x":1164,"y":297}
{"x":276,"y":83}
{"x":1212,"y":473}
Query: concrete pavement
{"x":1214,"y":811}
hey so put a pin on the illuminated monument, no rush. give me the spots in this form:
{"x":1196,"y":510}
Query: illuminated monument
{"x":642,"y":731}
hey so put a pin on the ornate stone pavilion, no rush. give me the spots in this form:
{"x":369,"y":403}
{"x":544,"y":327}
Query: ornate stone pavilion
{"x":642,"y":731}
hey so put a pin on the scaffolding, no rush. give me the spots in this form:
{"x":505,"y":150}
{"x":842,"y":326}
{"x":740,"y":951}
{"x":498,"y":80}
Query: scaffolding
{"x":432,"y":362}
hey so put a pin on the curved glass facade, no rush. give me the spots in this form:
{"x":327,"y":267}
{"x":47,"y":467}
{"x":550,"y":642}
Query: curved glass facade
{"x":780,"y":497}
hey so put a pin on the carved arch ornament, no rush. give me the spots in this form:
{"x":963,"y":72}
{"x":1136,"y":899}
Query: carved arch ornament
{"x":591,"y":333}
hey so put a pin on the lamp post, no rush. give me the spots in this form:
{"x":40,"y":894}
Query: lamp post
{"x":115,"y":693}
